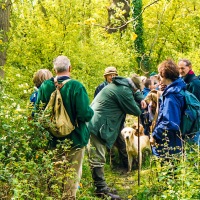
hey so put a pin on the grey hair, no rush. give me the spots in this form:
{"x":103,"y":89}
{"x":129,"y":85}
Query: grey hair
{"x":132,"y":84}
{"x":186,"y":61}
{"x":61,"y":64}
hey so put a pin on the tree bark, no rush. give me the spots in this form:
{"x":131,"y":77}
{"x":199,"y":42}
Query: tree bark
{"x":5,"y":7}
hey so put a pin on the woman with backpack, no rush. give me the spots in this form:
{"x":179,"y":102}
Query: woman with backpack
{"x":165,"y":138}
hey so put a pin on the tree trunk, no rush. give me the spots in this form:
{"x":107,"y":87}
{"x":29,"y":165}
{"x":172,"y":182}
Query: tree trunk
{"x":5,"y":6}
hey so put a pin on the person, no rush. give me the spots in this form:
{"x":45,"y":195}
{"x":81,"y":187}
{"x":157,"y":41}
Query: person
{"x":109,"y":73}
{"x":38,"y":78}
{"x":76,"y":102}
{"x":154,"y":78}
{"x":145,"y":117}
{"x":166,"y":138}
{"x":148,"y":86}
{"x":149,"y":114}
{"x":188,"y":75}
{"x":110,"y":107}
{"x":120,"y":145}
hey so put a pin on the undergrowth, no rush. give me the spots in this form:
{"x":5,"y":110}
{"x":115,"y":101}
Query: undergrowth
{"x":27,"y":168}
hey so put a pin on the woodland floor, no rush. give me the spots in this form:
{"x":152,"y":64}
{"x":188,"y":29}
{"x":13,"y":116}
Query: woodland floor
{"x":126,"y":184}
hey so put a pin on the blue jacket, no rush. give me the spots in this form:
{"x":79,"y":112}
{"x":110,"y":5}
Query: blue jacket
{"x":33,"y":96}
{"x":100,"y":87}
{"x":145,"y":91}
{"x":166,"y":132}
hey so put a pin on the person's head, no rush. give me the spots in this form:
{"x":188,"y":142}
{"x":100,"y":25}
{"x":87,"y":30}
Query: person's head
{"x":149,"y":84}
{"x":61,"y":64}
{"x":109,"y":73}
{"x":40,"y":76}
{"x":154,"y":77}
{"x":168,"y":72}
{"x":136,"y":82}
{"x":184,"y":67}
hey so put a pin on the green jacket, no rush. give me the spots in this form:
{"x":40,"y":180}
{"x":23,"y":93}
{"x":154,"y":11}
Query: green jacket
{"x":76,"y":102}
{"x":110,"y":107}
{"x":193,"y":84}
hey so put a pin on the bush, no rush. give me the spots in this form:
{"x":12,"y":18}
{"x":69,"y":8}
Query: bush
{"x":28,"y":168}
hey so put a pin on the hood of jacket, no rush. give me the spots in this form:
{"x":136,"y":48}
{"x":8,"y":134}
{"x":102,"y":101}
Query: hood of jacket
{"x":175,"y":87}
{"x":118,"y":80}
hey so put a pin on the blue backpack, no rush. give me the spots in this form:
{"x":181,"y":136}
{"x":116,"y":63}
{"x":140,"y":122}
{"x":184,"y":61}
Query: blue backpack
{"x":190,"y":121}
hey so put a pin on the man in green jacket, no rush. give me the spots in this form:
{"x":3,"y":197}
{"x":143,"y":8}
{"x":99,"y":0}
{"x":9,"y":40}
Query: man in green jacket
{"x":110,"y":106}
{"x":76,"y":102}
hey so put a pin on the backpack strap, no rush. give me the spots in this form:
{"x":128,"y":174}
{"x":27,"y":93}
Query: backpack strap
{"x":195,"y":77}
{"x":60,"y":85}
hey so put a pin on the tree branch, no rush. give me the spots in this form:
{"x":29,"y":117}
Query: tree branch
{"x":131,"y":20}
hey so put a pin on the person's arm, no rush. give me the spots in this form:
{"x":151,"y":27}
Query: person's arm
{"x":84,"y":112}
{"x":128,"y":103}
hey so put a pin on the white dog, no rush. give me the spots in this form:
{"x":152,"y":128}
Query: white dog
{"x":131,"y":140}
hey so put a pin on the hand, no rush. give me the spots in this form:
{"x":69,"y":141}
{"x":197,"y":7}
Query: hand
{"x":162,"y":87}
{"x":143,"y":104}
{"x":152,"y":140}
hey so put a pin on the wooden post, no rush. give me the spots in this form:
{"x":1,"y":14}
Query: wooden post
{"x":138,"y":151}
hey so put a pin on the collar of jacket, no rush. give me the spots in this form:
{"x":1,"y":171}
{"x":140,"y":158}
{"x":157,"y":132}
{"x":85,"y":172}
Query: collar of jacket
{"x":61,"y":78}
{"x":189,"y":77}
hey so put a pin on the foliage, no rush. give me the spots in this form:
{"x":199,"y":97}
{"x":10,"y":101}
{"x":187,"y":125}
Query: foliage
{"x":27,"y":170}
{"x":177,"y":179}
{"x":142,"y":58}
{"x":41,"y":30}
{"x":171,"y":29}
{"x":158,"y":180}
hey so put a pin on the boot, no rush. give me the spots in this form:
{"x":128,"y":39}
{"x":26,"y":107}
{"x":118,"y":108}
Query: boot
{"x":104,"y":193}
{"x":102,"y":189}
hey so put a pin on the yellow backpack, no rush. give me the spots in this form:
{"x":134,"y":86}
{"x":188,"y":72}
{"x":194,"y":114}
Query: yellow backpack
{"x":55,"y":118}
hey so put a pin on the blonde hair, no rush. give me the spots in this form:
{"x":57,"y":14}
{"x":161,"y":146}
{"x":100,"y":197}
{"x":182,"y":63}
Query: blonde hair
{"x":40,"y":76}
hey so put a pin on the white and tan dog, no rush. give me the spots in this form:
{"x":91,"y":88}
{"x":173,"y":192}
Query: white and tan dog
{"x":131,"y":140}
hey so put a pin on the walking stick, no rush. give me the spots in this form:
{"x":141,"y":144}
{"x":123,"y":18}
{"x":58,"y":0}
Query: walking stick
{"x":138,"y":151}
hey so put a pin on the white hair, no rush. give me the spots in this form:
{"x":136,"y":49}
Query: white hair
{"x":61,"y":64}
